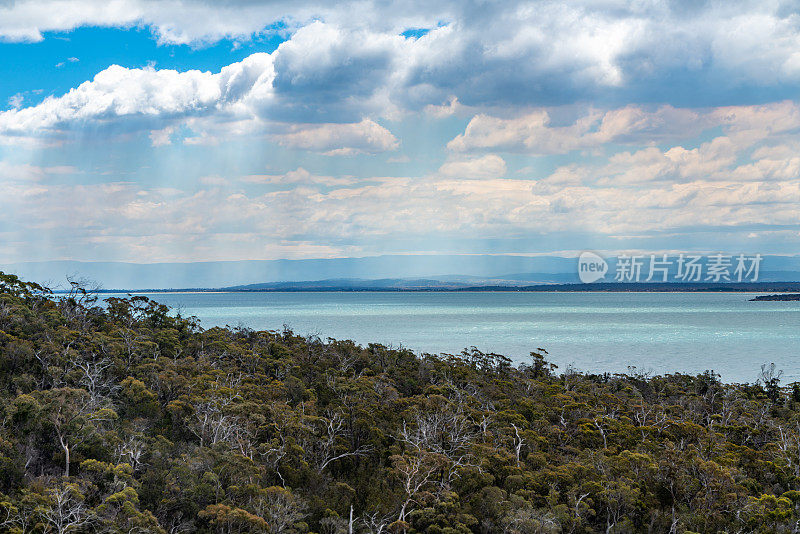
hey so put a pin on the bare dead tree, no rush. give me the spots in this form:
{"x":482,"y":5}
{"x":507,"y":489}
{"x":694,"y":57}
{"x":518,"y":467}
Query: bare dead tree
{"x":130,"y":450}
{"x":213,"y":421}
{"x":65,"y":510}
{"x":96,"y":381}
{"x":789,"y":446}
{"x":73,"y":417}
{"x":19,"y":518}
{"x":280,"y":508}
{"x":447,"y":432}
{"x":518,"y":442}
{"x":326,"y":448}
{"x":274,"y":455}
{"x":376,"y":522}
{"x":416,"y":471}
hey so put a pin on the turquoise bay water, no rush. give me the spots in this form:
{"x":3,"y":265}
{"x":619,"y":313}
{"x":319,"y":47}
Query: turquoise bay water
{"x":597,"y":332}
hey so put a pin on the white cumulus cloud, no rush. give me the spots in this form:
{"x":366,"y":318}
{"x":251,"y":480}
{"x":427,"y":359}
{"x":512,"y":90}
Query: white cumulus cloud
{"x":488,"y":166}
{"x":340,"y":139}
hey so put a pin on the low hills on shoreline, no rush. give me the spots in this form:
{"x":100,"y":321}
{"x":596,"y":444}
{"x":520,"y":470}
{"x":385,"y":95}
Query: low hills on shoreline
{"x":405,"y":285}
{"x":377,"y":273}
{"x":435,"y":285}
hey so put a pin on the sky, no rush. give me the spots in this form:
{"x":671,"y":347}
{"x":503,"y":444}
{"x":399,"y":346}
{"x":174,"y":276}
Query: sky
{"x":178,"y":131}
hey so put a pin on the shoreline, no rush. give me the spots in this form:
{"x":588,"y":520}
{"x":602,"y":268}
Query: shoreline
{"x":200,"y":292}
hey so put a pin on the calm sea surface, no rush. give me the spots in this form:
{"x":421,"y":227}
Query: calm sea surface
{"x":659,"y":332}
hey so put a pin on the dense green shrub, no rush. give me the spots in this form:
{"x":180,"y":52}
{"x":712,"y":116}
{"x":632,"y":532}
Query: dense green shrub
{"x":123,"y":417}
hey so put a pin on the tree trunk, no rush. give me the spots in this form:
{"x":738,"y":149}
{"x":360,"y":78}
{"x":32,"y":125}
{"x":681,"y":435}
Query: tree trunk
{"x":66,"y":460}
{"x":65,"y":445}
{"x":350,"y":524}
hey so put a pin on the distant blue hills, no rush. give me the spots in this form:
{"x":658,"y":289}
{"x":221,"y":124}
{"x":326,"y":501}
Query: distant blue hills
{"x":391,"y":271}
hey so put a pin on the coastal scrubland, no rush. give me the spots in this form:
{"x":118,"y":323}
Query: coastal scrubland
{"x":125,"y":417}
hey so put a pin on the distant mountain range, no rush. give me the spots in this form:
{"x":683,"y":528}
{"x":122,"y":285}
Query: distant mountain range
{"x":435,"y":285}
{"x":377,"y":272}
